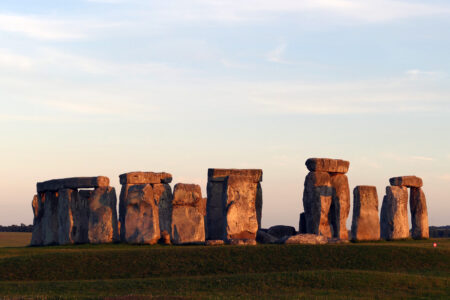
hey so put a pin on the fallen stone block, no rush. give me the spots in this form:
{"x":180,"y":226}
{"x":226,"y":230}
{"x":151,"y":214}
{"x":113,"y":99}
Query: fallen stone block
{"x":394,"y":214}
{"x":280,"y":231}
{"x":419,"y":214}
{"x":408,"y":181}
{"x":263,"y":237}
{"x":242,"y":242}
{"x":327,"y":165}
{"x":310,"y":239}
{"x":214,"y":242}
{"x":365,"y":222}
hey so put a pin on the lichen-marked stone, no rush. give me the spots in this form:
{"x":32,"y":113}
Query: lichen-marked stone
{"x":365,"y":222}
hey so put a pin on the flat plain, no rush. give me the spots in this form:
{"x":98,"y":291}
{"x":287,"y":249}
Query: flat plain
{"x":400,"y":269}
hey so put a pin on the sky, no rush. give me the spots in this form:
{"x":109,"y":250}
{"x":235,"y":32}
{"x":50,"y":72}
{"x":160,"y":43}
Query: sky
{"x":104,"y":87}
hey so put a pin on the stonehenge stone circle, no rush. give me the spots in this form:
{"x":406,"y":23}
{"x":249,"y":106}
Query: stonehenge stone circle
{"x":365,"y":222}
{"x":326,"y":197}
{"x":66,"y":214}
{"x":145,"y":207}
{"x":394,"y":214}
{"x":394,"y":218}
{"x":419,"y":214}
{"x":188,"y":214}
{"x":234,"y":204}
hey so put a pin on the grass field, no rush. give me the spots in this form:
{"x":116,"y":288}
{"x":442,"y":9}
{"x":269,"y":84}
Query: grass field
{"x":402,"y":269}
{"x":15,"y":239}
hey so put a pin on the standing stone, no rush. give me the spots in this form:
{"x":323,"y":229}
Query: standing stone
{"x":234,"y":205}
{"x":340,"y":205}
{"x":302,"y":223}
{"x":162,"y":193}
{"x":139,"y":215}
{"x":50,"y":218}
{"x":80,"y":216}
{"x":241,"y":217}
{"x":188,"y":214}
{"x":317,"y":196}
{"x":38,"y":212}
{"x":394,"y":214}
{"x":419,"y":214}
{"x":102,"y":216}
{"x":65,"y":218}
{"x":365,"y":222}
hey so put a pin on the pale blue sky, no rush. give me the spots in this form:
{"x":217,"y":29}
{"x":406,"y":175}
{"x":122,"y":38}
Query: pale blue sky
{"x":106,"y":87}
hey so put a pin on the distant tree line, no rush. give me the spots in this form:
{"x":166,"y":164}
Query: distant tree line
{"x":440,"y":231}
{"x":17,"y":228}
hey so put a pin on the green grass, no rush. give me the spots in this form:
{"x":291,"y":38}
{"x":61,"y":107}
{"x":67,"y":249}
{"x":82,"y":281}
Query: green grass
{"x":15,"y":239}
{"x":402,"y":269}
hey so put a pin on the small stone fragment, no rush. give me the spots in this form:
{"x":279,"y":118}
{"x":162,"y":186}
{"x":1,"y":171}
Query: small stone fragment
{"x":242,"y":242}
{"x":365,"y":222}
{"x":302,"y":223}
{"x":165,"y":238}
{"x":214,"y":242}
{"x":327,"y":165}
{"x":408,"y":181}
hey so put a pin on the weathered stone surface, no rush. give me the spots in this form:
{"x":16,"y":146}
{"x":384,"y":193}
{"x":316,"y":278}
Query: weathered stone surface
{"x":408,"y":181}
{"x":50,"y":218}
{"x":102,"y":216}
{"x":280,"y":231}
{"x":72,"y":183}
{"x":241,"y":218}
{"x":145,"y":177}
{"x":265,"y":238}
{"x":38,"y":212}
{"x":214,"y":242}
{"x":188,"y":214}
{"x":317,"y":196}
{"x":419,"y":214}
{"x":226,"y":198}
{"x":394,"y":214}
{"x":139,"y":215}
{"x":365,"y":222}
{"x":65,"y":219}
{"x":254,"y":175}
{"x":327,"y":165}
{"x":311,"y":239}
{"x":302,"y":223}
{"x":337,"y":241}
{"x":242,"y":242}
{"x":215,"y":210}
{"x":164,"y":197}
{"x":340,"y":205}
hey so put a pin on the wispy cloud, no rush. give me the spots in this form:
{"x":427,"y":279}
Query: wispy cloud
{"x":424,"y":158}
{"x":9,"y":59}
{"x":276,"y":55}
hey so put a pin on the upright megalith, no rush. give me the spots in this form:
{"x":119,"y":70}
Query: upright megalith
{"x":394,"y":214}
{"x":394,"y":219}
{"x":326,"y":197}
{"x":234,"y":204}
{"x":365,"y":222}
{"x":340,"y":205}
{"x":145,"y":205}
{"x":419,"y":214}
{"x":317,"y":196}
{"x":66,"y":213}
{"x":188,"y":214}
